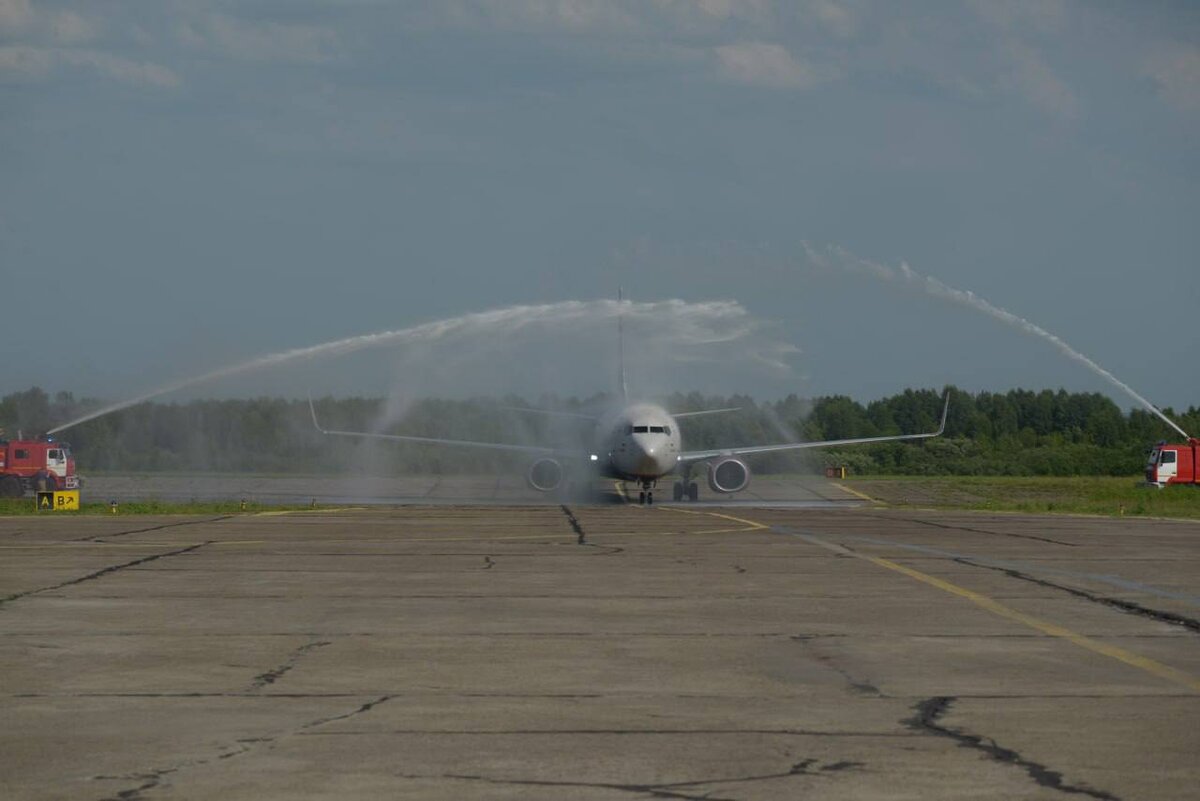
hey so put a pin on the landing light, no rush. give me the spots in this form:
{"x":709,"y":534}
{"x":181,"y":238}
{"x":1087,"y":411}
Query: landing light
{"x":594,"y":458}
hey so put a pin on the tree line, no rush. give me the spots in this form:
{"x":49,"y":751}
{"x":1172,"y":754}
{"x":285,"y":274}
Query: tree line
{"x":1019,"y":432}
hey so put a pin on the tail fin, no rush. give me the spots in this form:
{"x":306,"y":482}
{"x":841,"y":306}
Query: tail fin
{"x":621,"y":347}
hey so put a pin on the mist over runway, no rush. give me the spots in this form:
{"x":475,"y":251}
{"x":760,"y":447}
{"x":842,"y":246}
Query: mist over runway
{"x":507,"y":489}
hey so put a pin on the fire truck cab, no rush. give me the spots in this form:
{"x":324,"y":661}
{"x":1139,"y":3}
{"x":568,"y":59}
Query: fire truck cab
{"x":1174,"y":464}
{"x":40,"y":464}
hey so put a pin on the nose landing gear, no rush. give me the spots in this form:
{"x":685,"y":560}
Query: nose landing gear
{"x":646,"y":496}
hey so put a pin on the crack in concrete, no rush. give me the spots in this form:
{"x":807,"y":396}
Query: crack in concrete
{"x":973,"y":530}
{"x":154,"y":778}
{"x":859,"y":687}
{"x":104,"y":572}
{"x":574,"y":521}
{"x":1128,"y":607}
{"x":581,"y":536}
{"x":926,"y":720}
{"x":275,"y":674}
{"x":367,"y":707}
{"x":689,"y":790}
{"x":103,"y":537}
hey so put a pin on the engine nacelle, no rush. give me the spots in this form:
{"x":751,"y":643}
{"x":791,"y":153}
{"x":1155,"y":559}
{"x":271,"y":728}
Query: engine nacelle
{"x":728,"y":474}
{"x":545,"y":475}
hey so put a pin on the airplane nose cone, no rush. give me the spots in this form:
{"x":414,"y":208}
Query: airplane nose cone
{"x":650,"y":459}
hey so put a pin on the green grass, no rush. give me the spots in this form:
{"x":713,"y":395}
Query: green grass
{"x":1099,"y":495}
{"x":25,"y":506}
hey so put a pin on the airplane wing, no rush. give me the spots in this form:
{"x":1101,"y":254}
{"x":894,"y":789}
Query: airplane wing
{"x":551,"y":413}
{"x":533,"y":450}
{"x":696,"y":456}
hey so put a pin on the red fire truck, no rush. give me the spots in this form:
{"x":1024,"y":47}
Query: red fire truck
{"x":1174,"y":464}
{"x":35,"y":464}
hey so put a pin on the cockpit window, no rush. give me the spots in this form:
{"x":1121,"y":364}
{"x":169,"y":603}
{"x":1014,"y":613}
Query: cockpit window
{"x":641,"y":429}
{"x":656,"y":429}
{"x":667,"y":430}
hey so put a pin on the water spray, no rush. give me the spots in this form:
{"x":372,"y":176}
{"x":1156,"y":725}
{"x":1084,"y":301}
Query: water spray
{"x":835,"y":257}
{"x":693,"y":323}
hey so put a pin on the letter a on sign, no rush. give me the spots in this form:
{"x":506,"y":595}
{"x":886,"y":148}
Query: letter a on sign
{"x":45,"y":500}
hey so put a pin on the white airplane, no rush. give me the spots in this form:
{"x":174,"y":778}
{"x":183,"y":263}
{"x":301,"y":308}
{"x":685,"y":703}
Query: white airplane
{"x":638,"y":442}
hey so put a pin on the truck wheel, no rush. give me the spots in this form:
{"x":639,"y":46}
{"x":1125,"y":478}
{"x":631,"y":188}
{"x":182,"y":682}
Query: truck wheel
{"x":10,"y":487}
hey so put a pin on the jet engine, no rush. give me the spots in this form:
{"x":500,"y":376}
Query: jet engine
{"x":728,"y":474}
{"x":545,"y":475}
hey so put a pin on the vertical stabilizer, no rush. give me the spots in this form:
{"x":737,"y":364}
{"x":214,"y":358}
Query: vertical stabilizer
{"x":621,"y":346}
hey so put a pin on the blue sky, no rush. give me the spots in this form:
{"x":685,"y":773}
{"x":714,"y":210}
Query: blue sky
{"x":187,"y":184}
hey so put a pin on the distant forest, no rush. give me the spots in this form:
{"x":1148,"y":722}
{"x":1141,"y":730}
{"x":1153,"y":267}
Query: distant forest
{"x":1019,"y":432}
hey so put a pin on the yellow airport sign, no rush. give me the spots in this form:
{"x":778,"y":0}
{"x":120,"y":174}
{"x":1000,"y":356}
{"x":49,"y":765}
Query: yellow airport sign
{"x":66,"y":501}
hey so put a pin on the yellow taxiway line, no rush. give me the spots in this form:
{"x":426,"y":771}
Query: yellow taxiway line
{"x":1130,"y":658}
{"x":854,"y":492}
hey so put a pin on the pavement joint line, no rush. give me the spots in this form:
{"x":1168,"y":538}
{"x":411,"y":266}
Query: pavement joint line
{"x":103,"y":544}
{"x":1143,"y":663}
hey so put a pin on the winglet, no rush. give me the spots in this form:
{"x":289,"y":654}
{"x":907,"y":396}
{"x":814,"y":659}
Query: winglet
{"x":945,"y":414}
{"x":312,"y":408}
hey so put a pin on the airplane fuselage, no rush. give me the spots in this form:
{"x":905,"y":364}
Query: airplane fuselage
{"x":639,"y":442}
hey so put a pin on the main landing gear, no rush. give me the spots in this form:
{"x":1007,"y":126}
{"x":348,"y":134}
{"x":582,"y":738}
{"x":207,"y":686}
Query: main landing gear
{"x":686,"y":488}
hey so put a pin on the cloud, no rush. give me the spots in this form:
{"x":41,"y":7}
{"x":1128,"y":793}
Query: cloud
{"x":764,"y":64}
{"x":138,"y":73}
{"x":1030,"y":77}
{"x":261,"y":41}
{"x":50,"y":42}
{"x":15,"y":15}
{"x":722,"y":9}
{"x":1040,"y":16}
{"x":1176,"y":71}
{"x":836,"y":17}
{"x":25,"y":62}
{"x":21,"y":62}
{"x":572,"y":16}
{"x":67,"y":27}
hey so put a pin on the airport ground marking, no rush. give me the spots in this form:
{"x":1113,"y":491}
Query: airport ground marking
{"x":1144,"y":663}
{"x":750,"y":524}
{"x":855,"y":492}
{"x":327,"y":509}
